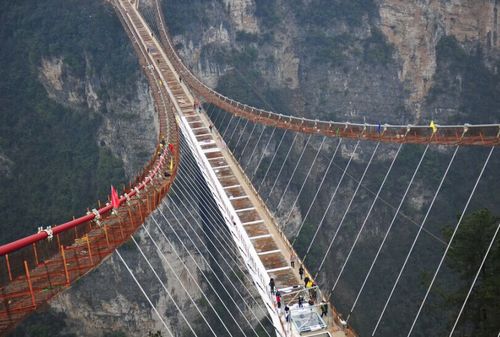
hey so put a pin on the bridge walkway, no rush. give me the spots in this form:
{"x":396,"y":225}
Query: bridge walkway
{"x":271,"y":245}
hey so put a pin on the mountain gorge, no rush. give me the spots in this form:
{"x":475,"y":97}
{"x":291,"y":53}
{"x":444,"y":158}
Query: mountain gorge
{"x":74,"y":98}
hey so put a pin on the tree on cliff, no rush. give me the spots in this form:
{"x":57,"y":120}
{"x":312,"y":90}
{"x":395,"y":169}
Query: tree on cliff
{"x":481,"y":313}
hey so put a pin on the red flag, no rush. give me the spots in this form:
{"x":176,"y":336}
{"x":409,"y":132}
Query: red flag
{"x":115,"y":199}
{"x":171,"y":148}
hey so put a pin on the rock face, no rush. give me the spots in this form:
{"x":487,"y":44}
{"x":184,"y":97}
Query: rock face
{"x":129,"y":125}
{"x":415,"y":28}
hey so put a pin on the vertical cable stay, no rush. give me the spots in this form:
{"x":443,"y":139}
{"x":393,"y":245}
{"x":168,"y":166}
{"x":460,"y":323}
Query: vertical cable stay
{"x":254,"y":148}
{"x":188,"y":271}
{"x":234,"y":131}
{"x":160,"y":252}
{"x":163,"y":286}
{"x":227,"y":126}
{"x":416,"y":239}
{"x":240,"y":156}
{"x":387,"y":232}
{"x":263,"y":154}
{"x":317,"y":191}
{"x":366,"y":219}
{"x":347,"y":210}
{"x":282,"y":165}
{"x":213,"y":217}
{"x":451,"y":239}
{"x":330,"y":202}
{"x":144,"y":293}
{"x":272,"y":160}
{"x":293,"y":173}
{"x":474,"y":281}
{"x":305,"y":179}
{"x":241,"y":135}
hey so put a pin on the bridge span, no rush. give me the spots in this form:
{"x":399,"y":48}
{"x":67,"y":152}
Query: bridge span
{"x":264,"y":248}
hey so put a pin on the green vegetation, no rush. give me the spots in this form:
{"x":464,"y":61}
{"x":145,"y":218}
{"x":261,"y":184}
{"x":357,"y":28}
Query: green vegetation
{"x":57,"y":168}
{"x":480,"y":317}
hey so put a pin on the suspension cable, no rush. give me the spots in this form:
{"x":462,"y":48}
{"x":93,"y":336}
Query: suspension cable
{"x":222,"y":255}
{"x":144,"y":292}
{"x":474,"y":281}
{"x":228,"y":125}
{"x":282,"y":165}
{"x":263,"y":153}
{"x":330,"y":202}
{"x":272,"y":160}
{"x":199,"y":267}
{"x":247,"y":142}
{"x":366,"y":219}
{"x":294,"y":170}
{"x":234,"y":131}
{"x":451,"y":239}
{"x":255,"y":147}
{"x":241,"y":135}
{"x":305,"y":180}
{"x":229,"y":241}
{"x":317,"y":191}
{"x":387,"y":232}
{"x":174,"y":272}
{"x":188,"y":271}
{"x":210,"y":214}
{"x":163,"y":285}
{"x":415,"y":239}
{"x":207,"y":262}
{"x":346,"y":211}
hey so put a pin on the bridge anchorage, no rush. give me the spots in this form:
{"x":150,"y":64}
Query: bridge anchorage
{"x":38,"y":267}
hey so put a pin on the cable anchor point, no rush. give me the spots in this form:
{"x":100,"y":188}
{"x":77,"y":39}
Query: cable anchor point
{"x":48,"y":230}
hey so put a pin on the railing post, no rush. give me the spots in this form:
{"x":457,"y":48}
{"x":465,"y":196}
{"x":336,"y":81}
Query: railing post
{"x":65,"y":266}
{"x":35,"y":253}
{"x":28,"y":279}
{"x":88,"y":248}
{"x":8,"y":266}
{"x":106,"y":234}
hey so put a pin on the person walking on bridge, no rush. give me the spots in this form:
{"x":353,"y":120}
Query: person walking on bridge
{"x":301,"y":272}
{"x":324,"y":308}
{"x":271,"y":285}
{"x":293,"y":258}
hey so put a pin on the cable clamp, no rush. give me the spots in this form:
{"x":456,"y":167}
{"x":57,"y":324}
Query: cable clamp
{"x":47,"y":230}
{"x":97,"y":217}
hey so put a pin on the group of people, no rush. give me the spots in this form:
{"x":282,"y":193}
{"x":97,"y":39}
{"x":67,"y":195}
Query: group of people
{"x":308,"y":284}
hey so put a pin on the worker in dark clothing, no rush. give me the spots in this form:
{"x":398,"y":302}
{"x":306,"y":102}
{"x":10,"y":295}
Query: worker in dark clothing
{"x":287,"y":313}
{"x":301,"y":301}
{"x":324,"y":308}
{"x":271,"y":285}
{"x":306,"y":281}
{"x":301,"y":271}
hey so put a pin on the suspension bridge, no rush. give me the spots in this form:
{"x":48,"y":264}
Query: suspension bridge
{"x":197,"y":155}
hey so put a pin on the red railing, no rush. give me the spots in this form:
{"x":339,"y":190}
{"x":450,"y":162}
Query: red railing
{"x":36,"y":268}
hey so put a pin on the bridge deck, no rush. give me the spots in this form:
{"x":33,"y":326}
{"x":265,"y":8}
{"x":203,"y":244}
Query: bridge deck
{"x":271,"y":245}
